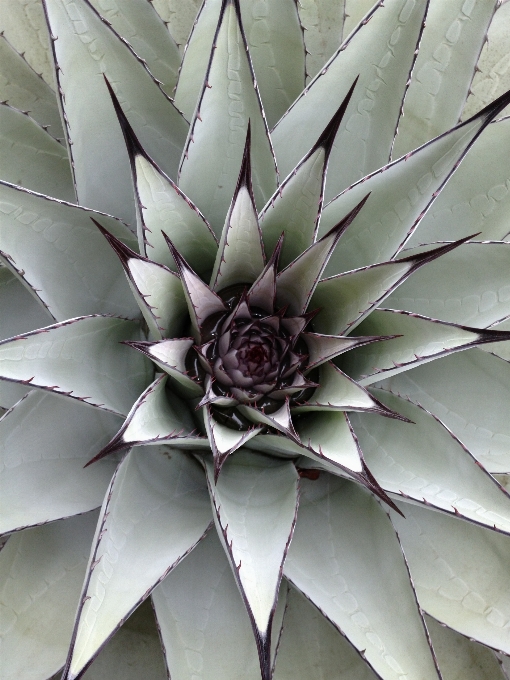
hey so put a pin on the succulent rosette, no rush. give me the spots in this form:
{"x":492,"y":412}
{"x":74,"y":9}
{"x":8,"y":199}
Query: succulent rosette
{"x":255,"y":302}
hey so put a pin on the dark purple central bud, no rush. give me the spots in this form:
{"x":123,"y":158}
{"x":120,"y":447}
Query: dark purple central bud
{"x":250,"y":357}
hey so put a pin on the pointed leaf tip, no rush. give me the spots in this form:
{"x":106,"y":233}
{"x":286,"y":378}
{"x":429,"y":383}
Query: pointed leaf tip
{"x":341,"y":226}
{"x":132,"y":142}
{"x":327,"y":138}
{"x":123,"y":252}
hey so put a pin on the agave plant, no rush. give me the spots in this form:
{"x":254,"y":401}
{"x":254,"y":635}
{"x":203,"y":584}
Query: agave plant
{"x":255,"y":298}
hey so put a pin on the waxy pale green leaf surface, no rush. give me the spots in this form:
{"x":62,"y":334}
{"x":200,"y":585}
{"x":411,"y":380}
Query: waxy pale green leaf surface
{"x":42,"y":571}
{"x":196,"y":56}
{"x":20,"y":310}
{"x":311,"y":648}
{"x":477,"y":197}
{"x":423,"y":461}
{"x":223,"y":440}
{"x":275,"y":43}
{"x":460,"y":572}
{"x":469,"y":285}
{"x":322,"y":348}
{"x":63,"y":255}
{"x":355,"y":11}
{"x":38,"y":162}
{"x":422,"y":340}
{"x":344,"y":300}
{"x":165,"y":209}
{"x":338,"y":392}
{"x":390,"y":37}
{"x":329,"y":434}
{"x":44,"y":443}
{"x":179,"y":16}
{"x":294,"y":209}
{"x":83,"y":358}
{"x":460,"y":658}
{"x":201,"y":594}
{"x":25,"y":28}
{"x":323,"y":23}
{"x":214,"y":147}
{"x":86,"y":48}
{"x":379,"y":617}
{"x":160,"y":296}
{"x":155,"y":512}
{"x":147,"y":35}
{"x":134,"y":652}
{"x":240,"y":257}
{"x":400,"y":194}
{"x":493,"y":76}
{"x":471,"y":405}
{"x":453,"y":37}
{"x":157,"y":415}
{"x":24,"y":89}
{"x":11,"y":393}
{"x":255,"y":503}
{"x":170,"y":356}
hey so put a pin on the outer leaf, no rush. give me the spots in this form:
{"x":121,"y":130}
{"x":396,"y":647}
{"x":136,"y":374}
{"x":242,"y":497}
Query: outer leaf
{"x":329,"y":434}
{"x":255,"y":504}
{"x":467,"y":391}
{"x":401,"y":193}
{"x":36,"y":160}
{"x":296,"y":283}
{"x":179,"y":16}
{"x":240,"y":257}
{"x":311,"y":648}
{"x":157,"y":416}
{"x":214,"y":148}
{"x":355,"y":11}
{"x":423,"y":339}
{"x":275,"y":41}
{"x":323,"y":23}
{"x":364,"y":141}
{"x":134,"y":652}
{"x":29,"y":38}
{"x":45,"y":442}
{"x":201,"y":300}
{"x":42,"y":570}
{"x":338,"y":392}
{"x":476,"y":198}
{"x":81,"y":358}
{"x":346,"y":299}
{"x":379,"y":615}
{"x":296,"y":206}
{"x":62,"y":255}
{"x":19,"y":310}
{"x":196,"y":55}
{"x":492,"y":76}
{"x":422,"y":461}
{"x":201,"y":595}
{"x":154,"y":514}
{"x":86,"y":47}
{"x":460,"y":571}
{"x":223,"y":440}
{"x":162,"y":209}
{"x":11,"y":393}
{"x":470,"y":285}
{"x":460,"y":658}
{"x":25,"y":89}
{"x":147,"y":34}
{"x":157,"y":290}
{"x":452,"y":40}
{"x":170,"y":356}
